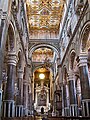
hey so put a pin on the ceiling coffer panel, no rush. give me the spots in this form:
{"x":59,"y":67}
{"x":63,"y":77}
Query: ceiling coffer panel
{"x":44,"y":14}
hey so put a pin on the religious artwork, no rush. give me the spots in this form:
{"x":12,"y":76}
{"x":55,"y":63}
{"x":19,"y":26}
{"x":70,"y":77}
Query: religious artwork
{"x":42,"y":99}
{"x":45,"y":14}
{"x":41,"y":54}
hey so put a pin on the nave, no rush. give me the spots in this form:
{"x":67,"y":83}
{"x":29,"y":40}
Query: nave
{"x":45,"y":59}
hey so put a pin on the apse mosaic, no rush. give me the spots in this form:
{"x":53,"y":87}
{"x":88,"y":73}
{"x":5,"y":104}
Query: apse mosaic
{"x":44,"y":14}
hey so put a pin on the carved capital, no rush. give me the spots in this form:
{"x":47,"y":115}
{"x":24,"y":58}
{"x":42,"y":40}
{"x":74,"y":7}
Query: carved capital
{"x":20,"y":73}
{"x":82,"y":60}
{"x":70,"y":75}
{"x":12,"y":58}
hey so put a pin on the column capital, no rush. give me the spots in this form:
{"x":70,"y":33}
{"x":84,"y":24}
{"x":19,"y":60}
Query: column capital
{"x":1,"y":12}
{"x":20,"y":73}
{"x":82,"y":59}
{"x":4,"y":15}
{"x":12,"y":58}
{"x":70,"y":75}
{"x":25,"y":82}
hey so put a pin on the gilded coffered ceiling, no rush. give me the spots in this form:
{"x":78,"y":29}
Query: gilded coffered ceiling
{"x":44,"y":14}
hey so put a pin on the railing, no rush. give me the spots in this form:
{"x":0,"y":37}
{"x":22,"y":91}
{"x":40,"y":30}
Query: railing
{"x":48,"y":118}
{"x":69,"y":118}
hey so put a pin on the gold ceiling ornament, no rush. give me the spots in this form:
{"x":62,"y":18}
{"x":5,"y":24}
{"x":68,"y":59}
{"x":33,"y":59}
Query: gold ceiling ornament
{"x":44,"y":14}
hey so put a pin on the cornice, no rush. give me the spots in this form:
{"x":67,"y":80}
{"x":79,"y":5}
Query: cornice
{"x":44,"y":40}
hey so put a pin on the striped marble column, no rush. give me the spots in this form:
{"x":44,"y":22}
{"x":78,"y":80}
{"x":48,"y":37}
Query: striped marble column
{"x":72,"y":94}
{"x":19,"y":100}
{"x":8,"y":103}
{"x":85,"y":83}
{"x":66,"y":100}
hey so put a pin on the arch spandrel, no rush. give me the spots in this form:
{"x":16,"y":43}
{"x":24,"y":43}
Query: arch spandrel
{"x":36,"y":46}
{"x":85,"y":37}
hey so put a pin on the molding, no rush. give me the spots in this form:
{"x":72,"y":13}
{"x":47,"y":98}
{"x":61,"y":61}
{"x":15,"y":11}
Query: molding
{"x":44,"y":40}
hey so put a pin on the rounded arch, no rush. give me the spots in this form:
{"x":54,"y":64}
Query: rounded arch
{"x":40,"y":66}
{"x":84,"y":34}
{"x":36,"y":46}
{"x":11,"y":36}
{"x":9,"y":33}
{"x":72,"y":59}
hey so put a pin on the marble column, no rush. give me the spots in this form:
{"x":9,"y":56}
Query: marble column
{"x":47,"y":98}
{"x":85,"y":83}
{"x":32,"y":82}
{"x":19,"y":100}
{"x":3,"y":28}
{"x":36,"y":97}
{"x":72,"y":94}
{"x":8,"y":103}
{"x":30,"y":97}
{"x":25,"y":97}
{"x":66,"y":100}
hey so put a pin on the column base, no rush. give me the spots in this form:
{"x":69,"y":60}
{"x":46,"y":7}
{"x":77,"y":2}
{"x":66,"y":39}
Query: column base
{"x":19,"y":111}
{"x":8,"y":108}
{"x":86,"y":107}
{"x":25,"y":111}
{"x":66,"y":111}
{"x":73,"y":110}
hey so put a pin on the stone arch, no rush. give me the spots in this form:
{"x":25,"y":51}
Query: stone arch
{"x":6,"y":45}
{"x":9,"y":34}
{"x":11,"y":37}
{"x":72,"y":59}
{"x":36,"y":46}
{"x":85,"y":37}
{"x":40,"y":66}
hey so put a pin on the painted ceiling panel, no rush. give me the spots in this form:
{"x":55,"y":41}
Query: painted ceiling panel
{"x":40,"y":55}
{"x":44,"y":14}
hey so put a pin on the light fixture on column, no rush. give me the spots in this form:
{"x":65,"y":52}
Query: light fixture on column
{"x":41,"y":76}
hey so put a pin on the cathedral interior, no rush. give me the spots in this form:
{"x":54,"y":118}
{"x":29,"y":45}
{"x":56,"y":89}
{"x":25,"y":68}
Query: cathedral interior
{"x":44,"y":59}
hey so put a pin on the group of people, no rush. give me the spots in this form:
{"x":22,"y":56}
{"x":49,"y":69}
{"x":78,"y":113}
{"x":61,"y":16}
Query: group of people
{"x":44,"y":118}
